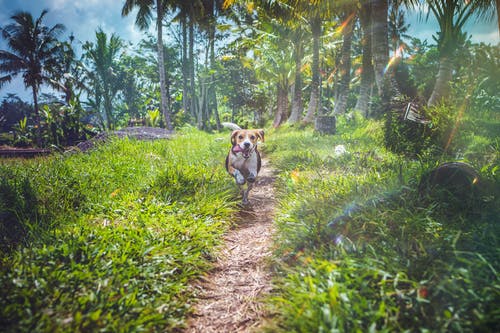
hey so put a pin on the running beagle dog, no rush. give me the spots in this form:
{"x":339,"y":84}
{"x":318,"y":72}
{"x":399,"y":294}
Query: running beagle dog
{"x":243,"y":160}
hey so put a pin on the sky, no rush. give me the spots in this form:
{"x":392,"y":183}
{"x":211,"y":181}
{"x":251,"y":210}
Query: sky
{"x":83,"y":18}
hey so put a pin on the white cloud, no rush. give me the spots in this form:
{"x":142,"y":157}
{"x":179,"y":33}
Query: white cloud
{"x":486,"y":37}
{"x":83,"y":18}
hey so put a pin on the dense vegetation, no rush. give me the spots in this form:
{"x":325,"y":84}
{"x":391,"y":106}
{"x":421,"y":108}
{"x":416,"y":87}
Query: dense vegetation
{"x":244,"y":61}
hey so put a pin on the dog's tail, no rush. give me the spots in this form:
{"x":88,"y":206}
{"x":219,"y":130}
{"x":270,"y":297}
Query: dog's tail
{"x":231,"y":126}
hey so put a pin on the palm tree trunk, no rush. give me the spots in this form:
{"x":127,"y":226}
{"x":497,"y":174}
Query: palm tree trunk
{"x":387,"y":87}
{"x":108,"y":110}
{"x":212,"y":94}
{"x":380,"y":42}
{"x":216,"y":111}
{"x":282,"y":107}
{"x":38,"y":123}
{"x":185,"y":72}
{"x":442,"y":86}
{"x":345,"y":69}
{"x":192,"y":83}
{"x":362,"y":104}
{"x":314,"y":99}
{"x":498,"y":14}
{"x":202,"y":104}
{"x":297,"y":104}
{"x":161,"y":65}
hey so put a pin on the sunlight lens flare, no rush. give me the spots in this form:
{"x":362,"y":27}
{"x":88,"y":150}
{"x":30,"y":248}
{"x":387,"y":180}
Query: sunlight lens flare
{"x":344,"y":24}
{"x":460,"y":115}
{"x":398,"y":54}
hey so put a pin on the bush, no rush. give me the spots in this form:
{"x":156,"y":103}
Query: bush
{"x":412,"y":138}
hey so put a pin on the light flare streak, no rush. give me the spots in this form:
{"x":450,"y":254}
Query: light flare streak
{"x":344,"y":24}
{"x":398,"y":54}
{"x":460,"y":115}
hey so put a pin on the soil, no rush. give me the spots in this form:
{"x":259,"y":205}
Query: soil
{"x":230,"y":296}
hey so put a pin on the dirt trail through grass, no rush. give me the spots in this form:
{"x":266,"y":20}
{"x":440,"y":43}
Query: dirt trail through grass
{"x":230,"y":295}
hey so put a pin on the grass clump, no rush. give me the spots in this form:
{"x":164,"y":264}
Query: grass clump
{"x":361,"y":249}
{"x":110,"y":239}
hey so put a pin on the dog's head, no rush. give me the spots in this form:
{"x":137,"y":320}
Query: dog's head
{"x":245,"y":141}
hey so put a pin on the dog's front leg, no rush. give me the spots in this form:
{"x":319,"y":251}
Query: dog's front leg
{"x":245,"y":193}
{"x":238,"y":176}
{"x":240,"y":180}
{"x":251,"y":177}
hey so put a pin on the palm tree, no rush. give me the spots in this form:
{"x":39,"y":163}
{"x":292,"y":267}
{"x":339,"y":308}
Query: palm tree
{"x":397,"y":28}
{"x":204,"y":14}
{"x":451,"y":16}
{"x":272,"y":41}
{"x":212,"y":8}
{"x":143,"y":18}
{"x":274,"y":55}
{"x":297,"y":103}
{"x":313,"y":12}
{"x":102,"y":58}
{"x":35,"y":50}
{"x":67,"y":71}
{"x":313,"y":106}
{"x":189,"y":13}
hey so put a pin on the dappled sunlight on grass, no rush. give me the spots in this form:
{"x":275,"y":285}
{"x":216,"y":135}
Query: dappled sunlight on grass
{"x":360,"y":248}
{"x":114,"y":235}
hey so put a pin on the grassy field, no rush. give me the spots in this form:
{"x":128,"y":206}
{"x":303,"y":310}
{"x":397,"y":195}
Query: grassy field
{"x":108,"y":241}
{"x":360,"y":250}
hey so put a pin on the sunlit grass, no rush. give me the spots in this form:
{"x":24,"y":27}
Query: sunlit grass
{"x":361,"y":250}
{"x":111,"y":238}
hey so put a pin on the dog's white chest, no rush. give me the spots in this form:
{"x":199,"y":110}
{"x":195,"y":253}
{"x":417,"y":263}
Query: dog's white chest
{"x":245,"y":165}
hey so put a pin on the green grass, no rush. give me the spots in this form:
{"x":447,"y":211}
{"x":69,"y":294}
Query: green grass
{"x":360,"y":250}
{"x":109,"y":240}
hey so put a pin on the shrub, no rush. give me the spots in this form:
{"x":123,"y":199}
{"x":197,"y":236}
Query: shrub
{"x":412,"y":138}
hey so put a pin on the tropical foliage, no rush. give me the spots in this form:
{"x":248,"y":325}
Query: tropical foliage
{"x":35,"y":51}
{"x":294,"y":62}
{"x":109,"y":240}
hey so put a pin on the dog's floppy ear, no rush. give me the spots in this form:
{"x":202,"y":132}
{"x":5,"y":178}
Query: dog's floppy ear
{"x":233,"y":137}
{"x":260,"y":134}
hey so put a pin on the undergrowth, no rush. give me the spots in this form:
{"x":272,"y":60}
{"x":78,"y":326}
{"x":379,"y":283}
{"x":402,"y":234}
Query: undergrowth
{"x":108,"y":240}
{"x":359,"y":249}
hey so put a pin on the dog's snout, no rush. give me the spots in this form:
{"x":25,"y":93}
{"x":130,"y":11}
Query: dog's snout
{"x":247,"y":144}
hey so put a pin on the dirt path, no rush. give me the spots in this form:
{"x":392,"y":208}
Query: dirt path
{"x":229,"y":297}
